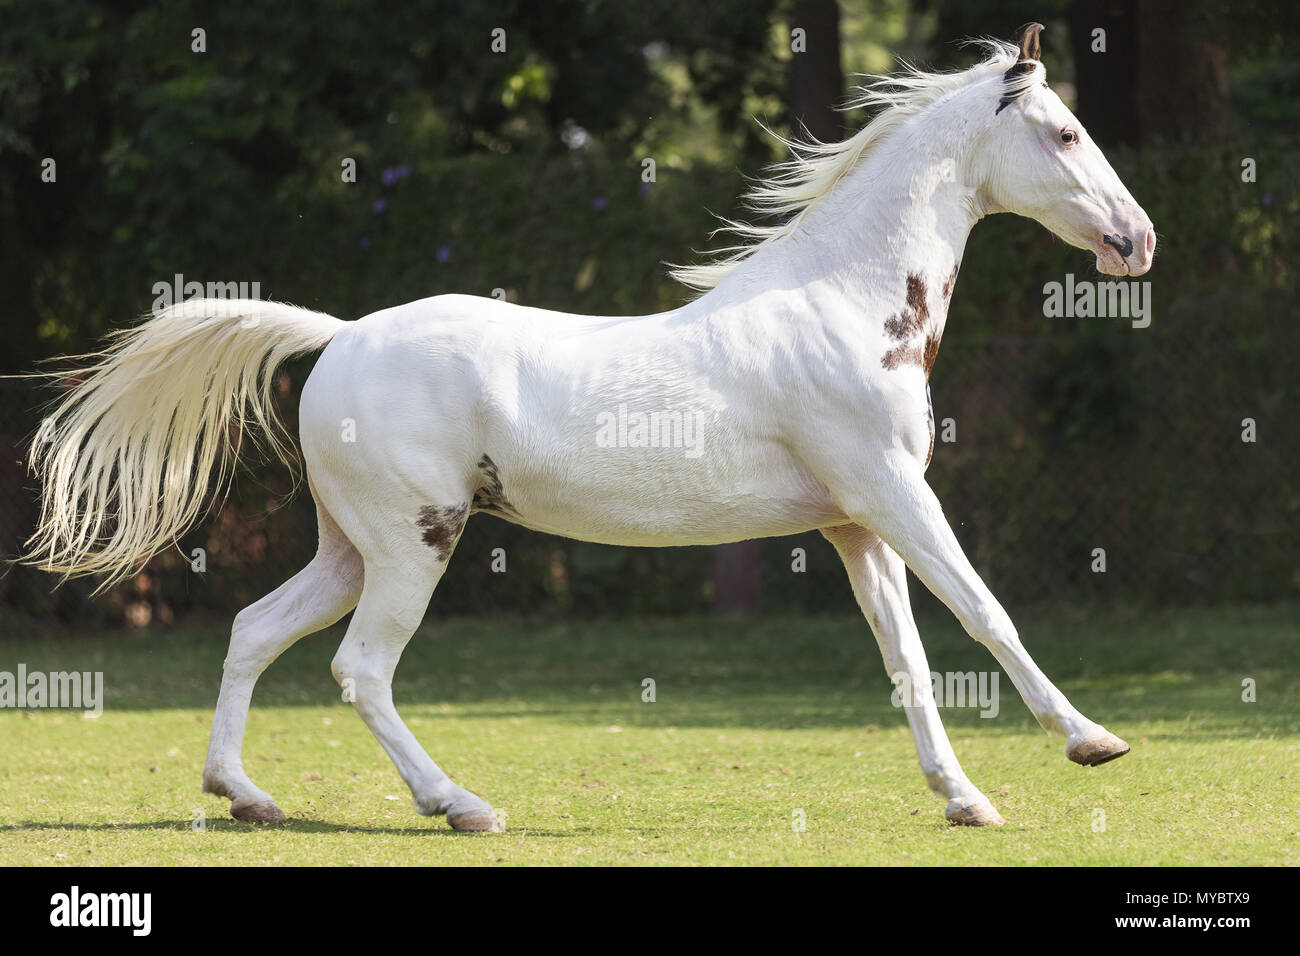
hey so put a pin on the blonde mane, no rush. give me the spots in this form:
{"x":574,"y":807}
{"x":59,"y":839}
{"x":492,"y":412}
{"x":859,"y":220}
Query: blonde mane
{"x":789,"y":189}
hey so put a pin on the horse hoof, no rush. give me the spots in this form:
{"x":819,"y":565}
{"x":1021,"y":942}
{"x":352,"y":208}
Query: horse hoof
{"x":264,"y":811}
{"x":477,"y":820}
{"x":965,"y":814}
{"x":1096,"y":750}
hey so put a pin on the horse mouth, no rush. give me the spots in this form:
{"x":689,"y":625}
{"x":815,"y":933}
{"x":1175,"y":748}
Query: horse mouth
{"x":1112,"y":255}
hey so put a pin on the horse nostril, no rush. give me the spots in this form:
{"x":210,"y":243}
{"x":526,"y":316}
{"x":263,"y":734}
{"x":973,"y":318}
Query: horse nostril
{"x":1123,"y":244}
{"x":1151,"y":242}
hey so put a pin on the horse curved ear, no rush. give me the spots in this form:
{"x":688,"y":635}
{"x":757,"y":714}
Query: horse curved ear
{"x":1027,"y":40}
{"x":1030,"y":51}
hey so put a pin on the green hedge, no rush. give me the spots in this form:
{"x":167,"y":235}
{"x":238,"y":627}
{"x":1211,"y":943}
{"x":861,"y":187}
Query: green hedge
{"x":1072,"y":434}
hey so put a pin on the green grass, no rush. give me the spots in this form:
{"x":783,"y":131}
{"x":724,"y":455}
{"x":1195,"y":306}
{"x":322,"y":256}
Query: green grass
{"x":754,"y":720}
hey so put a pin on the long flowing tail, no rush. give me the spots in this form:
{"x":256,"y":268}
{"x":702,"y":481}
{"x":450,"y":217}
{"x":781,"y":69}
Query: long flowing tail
{"x":125,"y":456}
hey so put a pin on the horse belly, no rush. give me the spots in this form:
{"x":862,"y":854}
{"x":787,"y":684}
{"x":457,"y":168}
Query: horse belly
{"x":634,"y":498}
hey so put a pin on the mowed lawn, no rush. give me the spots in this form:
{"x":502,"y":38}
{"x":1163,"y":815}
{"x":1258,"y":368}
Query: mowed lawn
{"x":758,"y":726}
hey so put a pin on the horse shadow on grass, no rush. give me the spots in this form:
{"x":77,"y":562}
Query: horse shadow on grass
{"x":292,"y":825}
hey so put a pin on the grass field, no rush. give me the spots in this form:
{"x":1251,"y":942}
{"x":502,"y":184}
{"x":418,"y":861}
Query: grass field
{"x":754,"y":722}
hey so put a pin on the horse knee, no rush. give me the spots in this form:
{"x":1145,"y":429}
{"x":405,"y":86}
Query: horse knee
{"x":249,"y":651}
{"x":345,"y":666}
{"x":992,"y":627}
{"x":364,"y":680}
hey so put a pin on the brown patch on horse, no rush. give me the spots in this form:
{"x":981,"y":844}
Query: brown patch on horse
{"x":932,"y":339}
{"x":931,"y":353}
{"x":442,"y":526}
{"x":950,"y":284}
{"x":491,"y":494}
{"x":929,"y":420}
{"x":910,"y":322}
{"x":903,"y":355}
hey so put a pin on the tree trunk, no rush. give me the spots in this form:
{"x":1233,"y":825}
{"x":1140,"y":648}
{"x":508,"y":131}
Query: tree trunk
{"x":816,"y":77}
{"x":816,"y":87}
{"x":1105,"y":82}
{"x":1182,"y":75}
{"x":1158,"y":78}
{"x":736,"y":577}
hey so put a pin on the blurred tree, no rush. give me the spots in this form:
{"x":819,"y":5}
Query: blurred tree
{"x":171,"y":154}
{"x":816,"y":77}
{"x":523,"y":170}
{"x":1149,"y":69}
{"x":816,"y":87}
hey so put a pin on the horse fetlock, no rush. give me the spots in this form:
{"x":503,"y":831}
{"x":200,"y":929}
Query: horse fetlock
{"x":215,"y":784}
{"x":223,"y":780}
{"x":434,"y":800}
{"x":949,"y":785}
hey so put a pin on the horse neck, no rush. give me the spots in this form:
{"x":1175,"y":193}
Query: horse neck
{"x":904,"y":211}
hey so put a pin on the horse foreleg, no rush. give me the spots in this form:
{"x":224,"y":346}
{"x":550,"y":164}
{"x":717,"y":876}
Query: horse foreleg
{"x":879,"y":580}
{"x":900,"y":507}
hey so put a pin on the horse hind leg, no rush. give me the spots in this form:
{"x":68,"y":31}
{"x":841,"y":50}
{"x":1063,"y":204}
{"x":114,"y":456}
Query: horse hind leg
{"x":396,"y":593}
{"x":317,"y":596}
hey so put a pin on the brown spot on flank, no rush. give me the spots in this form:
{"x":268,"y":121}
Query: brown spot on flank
{"x":442,"y":526}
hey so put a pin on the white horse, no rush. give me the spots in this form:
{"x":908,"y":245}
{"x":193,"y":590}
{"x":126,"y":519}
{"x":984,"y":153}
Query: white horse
{"x":805,"y":365}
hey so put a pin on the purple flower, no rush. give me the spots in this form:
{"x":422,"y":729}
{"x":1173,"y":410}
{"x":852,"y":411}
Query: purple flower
{"x":599,"y":203}
{"x":388,"y":176}
{"x":365,"y":242}
{"x":1268,"y":199}
{"x":443,"y":254}
{"x":393,"y":174}
{"x":645,"y":188}
{"x":379,"y":206}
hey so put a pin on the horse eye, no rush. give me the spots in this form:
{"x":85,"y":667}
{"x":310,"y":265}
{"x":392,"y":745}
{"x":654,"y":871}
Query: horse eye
{"x":1068,"y":137}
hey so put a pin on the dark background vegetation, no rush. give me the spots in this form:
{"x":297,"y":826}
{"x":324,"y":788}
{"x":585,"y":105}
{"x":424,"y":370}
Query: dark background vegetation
{"x":522,"y":171}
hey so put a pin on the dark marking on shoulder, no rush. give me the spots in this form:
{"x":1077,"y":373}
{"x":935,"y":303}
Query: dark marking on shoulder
{"x":911,"y":319}
{"x":907,"y":324}
{"x":491,"y":493}
{"x":933,"y":336}
{"x":931,"y":353}
{"x":902,"y":355}
{"x":442,"y":527}
{"x":912,"y":322}
{"x":951,"y":283}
